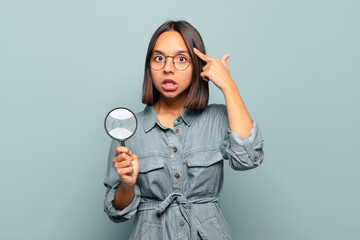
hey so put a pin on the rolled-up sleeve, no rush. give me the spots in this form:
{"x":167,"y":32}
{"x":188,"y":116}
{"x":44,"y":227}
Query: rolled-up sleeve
{"x":112,"y":182}
{"x":243,"y":153}
{"x":124,"y":214}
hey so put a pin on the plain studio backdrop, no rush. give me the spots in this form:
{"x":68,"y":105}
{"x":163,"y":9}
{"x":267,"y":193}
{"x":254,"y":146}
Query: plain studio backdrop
{"x":65,"y":64}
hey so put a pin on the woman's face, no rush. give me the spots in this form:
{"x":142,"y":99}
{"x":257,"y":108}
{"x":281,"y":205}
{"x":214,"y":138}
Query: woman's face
{"x":169,"y":81}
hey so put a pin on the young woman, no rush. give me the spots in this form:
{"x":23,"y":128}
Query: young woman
{"x":170,"y":175}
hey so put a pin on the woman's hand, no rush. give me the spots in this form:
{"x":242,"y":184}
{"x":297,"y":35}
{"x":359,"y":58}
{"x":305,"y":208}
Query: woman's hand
{"x":216,"y":70}
{"x":127,"y":166}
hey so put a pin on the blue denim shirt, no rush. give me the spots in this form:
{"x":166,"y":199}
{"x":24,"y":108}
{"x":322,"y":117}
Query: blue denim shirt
{"x":181,"y":174}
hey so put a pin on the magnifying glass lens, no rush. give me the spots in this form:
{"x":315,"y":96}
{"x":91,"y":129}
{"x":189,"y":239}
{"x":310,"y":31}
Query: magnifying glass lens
{"x":120,"y":124}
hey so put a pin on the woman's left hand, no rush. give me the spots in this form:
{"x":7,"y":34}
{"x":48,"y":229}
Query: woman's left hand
{"x":216,"y":70}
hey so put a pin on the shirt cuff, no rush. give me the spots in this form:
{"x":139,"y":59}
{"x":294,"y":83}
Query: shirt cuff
{"x":249,"y":144}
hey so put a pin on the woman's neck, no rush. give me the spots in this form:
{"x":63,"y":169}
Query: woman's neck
{"x":173,"y":107}
{"x":167,"y":111}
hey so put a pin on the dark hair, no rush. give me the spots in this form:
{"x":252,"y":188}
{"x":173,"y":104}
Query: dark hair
{"x":198,"y":96}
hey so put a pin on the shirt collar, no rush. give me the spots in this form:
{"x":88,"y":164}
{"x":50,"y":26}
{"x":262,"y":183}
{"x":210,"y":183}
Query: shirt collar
{"x":151,"y":119}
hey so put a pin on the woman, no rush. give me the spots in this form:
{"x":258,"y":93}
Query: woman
{"x":171,"y":175}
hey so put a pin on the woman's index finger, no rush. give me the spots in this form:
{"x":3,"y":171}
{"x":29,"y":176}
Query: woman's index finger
{"x":121,"y":149}
{"x":201,"y":55}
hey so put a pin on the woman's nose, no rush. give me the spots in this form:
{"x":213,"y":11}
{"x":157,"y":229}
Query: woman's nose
{"x":169,"y":65}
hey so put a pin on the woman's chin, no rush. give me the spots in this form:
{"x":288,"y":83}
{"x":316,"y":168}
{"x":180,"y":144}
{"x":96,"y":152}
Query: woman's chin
{"x":174,"y":95}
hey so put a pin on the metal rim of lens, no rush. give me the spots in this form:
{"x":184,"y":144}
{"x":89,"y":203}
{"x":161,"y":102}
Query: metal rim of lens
{"x":136,"y":125}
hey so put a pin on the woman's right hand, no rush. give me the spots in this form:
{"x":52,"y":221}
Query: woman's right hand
{"x":127,"y":166}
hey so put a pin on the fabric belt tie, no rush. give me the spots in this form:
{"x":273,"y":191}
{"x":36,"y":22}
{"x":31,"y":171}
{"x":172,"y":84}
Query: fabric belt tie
{"x":185,"y":206}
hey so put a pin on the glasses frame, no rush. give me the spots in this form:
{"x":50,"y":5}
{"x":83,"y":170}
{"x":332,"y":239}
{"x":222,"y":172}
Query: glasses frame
{"x":173,"y":57}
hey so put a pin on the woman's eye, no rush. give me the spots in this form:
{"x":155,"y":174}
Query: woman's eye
{"x":182,"y":59}
{"x":159,"y":58}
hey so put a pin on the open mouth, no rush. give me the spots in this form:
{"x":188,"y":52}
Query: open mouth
{"x":169,"y":85}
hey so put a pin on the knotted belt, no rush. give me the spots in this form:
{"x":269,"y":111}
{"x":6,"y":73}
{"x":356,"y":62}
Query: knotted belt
{"x":185,"y":206}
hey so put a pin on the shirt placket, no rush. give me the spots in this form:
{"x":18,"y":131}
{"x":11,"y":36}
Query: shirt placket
{"x":173,"y":136}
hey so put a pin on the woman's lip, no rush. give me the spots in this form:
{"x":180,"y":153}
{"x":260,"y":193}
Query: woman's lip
{"x":169,"y":85}
{"x":168,"y":80}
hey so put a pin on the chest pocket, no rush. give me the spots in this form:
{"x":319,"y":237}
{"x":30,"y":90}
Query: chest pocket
{"x":205,"y":172}
{"x":151,"y":176}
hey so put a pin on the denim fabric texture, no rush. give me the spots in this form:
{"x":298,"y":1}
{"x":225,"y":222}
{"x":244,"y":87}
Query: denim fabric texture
{"x":181,"y":174}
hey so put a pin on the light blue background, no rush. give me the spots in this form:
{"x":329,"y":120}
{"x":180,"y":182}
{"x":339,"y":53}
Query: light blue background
{"x":65,"y":64}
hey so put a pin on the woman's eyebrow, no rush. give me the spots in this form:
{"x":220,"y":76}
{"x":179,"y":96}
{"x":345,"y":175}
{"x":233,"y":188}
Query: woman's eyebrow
{"x":177,"y":52}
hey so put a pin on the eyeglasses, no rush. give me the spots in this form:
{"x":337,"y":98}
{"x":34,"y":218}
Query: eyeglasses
{"x":181,"y":61}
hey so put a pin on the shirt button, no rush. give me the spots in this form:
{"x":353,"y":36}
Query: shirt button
{"x":177,"y":176}
{"x":177,"y":130}
{"x":175,"y":149}
{"x":181,"y":224}
{"x":256,"y":159}
{"x":178,"y":119}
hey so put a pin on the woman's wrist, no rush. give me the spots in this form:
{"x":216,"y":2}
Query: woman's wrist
{"x":230,"y":87}
{"x":124,"y":196}
{"x":127,"y":187}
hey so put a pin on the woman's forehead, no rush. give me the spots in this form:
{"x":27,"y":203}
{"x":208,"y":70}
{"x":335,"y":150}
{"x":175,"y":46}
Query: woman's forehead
{"x":170,"y":43}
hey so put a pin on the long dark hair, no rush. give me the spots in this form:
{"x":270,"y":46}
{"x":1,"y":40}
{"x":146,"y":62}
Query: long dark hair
{"x":198,"y":96}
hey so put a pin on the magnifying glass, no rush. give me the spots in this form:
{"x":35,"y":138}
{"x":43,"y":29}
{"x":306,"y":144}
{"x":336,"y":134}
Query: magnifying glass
{"x":120,"y":124}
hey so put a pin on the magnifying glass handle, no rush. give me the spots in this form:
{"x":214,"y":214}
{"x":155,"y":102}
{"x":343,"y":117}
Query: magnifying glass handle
{"x":122,"y":143}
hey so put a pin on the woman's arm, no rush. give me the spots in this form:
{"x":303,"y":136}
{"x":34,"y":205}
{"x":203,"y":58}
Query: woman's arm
{"x":239,"y":118}
{"x":127,"y":166}
{"x":122,"y":195}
